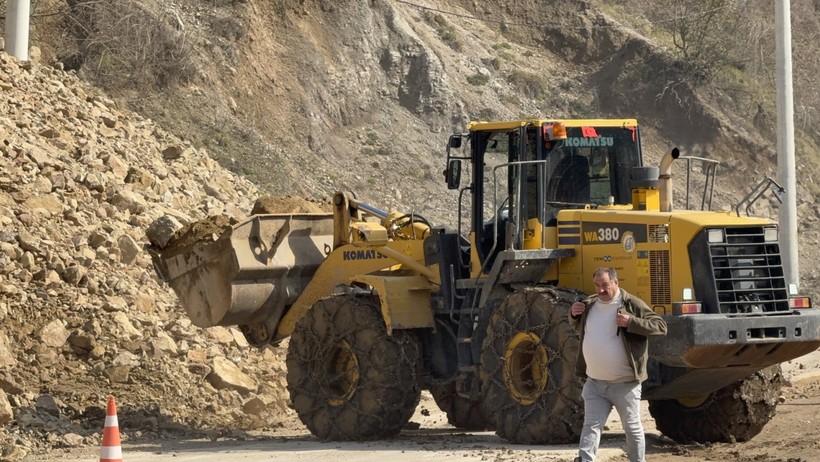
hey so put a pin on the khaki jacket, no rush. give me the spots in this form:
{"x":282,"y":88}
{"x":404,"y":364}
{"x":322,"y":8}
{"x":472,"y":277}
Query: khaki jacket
{"x":643,"y":323}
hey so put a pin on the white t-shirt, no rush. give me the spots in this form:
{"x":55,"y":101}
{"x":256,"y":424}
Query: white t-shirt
{"x":603,"y":348}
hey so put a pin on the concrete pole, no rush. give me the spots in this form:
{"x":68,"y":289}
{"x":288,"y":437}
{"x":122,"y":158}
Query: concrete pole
{"x":17,"y":17}
{"x":785,"y":141}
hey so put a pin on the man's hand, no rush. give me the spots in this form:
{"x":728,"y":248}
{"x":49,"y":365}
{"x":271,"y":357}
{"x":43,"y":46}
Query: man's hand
{"x":622,"y":319}
{"x":577,"y":309}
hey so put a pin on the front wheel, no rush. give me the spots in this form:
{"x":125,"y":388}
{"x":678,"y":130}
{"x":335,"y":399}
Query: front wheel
{"x":734,"y":413}
{"x":528,"y":367}
{"x":348,"y":379}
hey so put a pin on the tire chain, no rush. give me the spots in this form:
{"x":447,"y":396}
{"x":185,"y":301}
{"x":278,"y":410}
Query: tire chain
{"x":361,"y":321}
{"x":510,"y":325}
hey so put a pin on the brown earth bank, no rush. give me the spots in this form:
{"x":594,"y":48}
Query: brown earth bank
{"x":83,"y":313}
{"x":307,"y":98}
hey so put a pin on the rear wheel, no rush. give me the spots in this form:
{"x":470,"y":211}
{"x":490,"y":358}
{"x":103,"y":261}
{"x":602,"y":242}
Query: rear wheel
{"x":528,"y":367}
{"x":348,"y":379}
{"x":734,"y":413}
{"x":461,"y":412}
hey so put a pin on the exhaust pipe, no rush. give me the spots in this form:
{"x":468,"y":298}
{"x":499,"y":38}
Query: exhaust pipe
{"x":665,"y":177}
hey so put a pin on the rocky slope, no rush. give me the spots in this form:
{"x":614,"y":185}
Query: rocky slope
{"x":310,"y":97}
{"x":82,"y":314}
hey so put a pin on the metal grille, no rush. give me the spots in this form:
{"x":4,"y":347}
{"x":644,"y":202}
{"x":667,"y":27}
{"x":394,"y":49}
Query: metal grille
{"x":748,"y":272}
{"x":659,"y":277}
{"x":658,"y":233}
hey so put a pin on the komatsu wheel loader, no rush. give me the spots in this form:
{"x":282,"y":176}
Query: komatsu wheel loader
{"x":378,"y":306}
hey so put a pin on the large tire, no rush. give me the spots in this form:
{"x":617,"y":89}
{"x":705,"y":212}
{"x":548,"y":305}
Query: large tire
{"x":528,"y":358}
{"x":461,"y":412}
{"x":734,"y":413}
{"x":348,"y":379}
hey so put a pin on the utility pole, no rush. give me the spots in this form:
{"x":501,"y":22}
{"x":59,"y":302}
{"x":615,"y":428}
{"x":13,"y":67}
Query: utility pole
{"x":17,"y":17}
{"x":785,"y":141}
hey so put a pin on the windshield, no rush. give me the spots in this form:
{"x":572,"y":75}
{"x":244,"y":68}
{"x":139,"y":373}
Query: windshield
{"x":592,"y":164}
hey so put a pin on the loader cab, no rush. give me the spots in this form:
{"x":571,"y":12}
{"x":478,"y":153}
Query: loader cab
{"x":523,"y":172}
{"x":606,"y":151}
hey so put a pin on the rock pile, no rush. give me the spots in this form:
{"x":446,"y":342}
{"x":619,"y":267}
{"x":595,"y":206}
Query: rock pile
{"x":82,"y":314}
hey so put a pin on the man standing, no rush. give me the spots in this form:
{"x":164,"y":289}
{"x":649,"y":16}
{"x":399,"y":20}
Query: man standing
{"x":613,"y":326}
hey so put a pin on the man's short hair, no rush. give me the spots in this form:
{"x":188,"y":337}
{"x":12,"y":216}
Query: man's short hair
{"x":613,"y":275}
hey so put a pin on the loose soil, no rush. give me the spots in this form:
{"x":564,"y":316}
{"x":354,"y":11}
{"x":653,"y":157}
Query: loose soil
{"x":205,"y":230}
{"x":217,"y":227}
{"x":791,"y":436}
{"x":288,"y":204}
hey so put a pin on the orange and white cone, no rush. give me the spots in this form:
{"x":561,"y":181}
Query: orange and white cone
{"x":111,"y":445}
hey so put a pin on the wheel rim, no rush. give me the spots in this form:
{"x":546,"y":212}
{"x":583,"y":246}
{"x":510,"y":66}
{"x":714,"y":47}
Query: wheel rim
{"x":692,"y":401}
{"x":525,"y":367}
{"x":343,"y":374}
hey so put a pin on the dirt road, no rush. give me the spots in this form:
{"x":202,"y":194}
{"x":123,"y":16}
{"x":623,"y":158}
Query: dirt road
{"x":792,"y":436}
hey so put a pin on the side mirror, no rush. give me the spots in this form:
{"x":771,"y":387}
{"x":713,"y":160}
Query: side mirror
{"x":453,"y":174}
{"x":455,"y":141}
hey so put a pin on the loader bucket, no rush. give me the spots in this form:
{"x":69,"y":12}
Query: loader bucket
{"x":250,"y":274}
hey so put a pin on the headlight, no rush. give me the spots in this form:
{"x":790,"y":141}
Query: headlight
{"x":770,"y":234}
{"x":688,"y":294}
{"x":715,"y":236}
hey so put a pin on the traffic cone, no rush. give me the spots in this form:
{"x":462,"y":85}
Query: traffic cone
{"x":111,"y":445}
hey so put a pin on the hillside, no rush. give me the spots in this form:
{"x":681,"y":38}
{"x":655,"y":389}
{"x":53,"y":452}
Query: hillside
{"x":309,"y":98}
{"x":283,"y":98}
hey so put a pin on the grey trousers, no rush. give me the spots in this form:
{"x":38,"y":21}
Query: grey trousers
{"x":599,"y":398}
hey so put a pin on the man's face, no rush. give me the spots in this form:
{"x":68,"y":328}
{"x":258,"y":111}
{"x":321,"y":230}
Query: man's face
{"x":605,"y":288}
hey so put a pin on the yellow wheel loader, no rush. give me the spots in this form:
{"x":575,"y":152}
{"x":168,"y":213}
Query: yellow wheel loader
{"x":379,"y":305}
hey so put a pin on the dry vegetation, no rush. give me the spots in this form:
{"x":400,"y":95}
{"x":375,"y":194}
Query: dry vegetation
{"x":729,"y":47}
{"x":725,"y":45}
